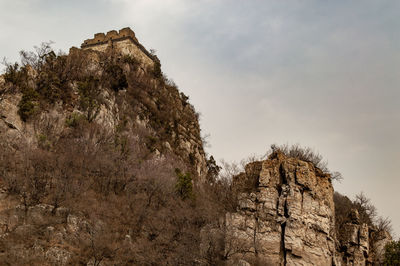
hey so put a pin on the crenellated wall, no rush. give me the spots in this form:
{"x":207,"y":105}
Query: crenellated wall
{"x":124,"y":41}
{"x":100,"y":38}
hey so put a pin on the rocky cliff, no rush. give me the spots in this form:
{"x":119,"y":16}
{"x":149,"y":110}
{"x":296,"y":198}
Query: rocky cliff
{"x":286,"y":216}
{"x":360,"y":244}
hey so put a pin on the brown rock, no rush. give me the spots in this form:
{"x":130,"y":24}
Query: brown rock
{"x":285,"y":215}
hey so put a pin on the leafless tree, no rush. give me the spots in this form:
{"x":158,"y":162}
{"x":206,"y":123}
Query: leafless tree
{"x":37,"y":58}
{"x":309,"y":155}
{"x":365,"y":208}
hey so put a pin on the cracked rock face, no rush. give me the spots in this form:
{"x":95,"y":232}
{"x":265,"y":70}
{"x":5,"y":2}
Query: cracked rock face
{"x":286,"y":218}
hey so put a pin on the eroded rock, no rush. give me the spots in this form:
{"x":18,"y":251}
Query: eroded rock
{"x":285,"y":215}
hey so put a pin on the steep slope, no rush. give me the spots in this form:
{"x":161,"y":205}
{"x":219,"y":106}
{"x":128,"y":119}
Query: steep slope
{"x":99,"y":155}
{"x":120,"y":88}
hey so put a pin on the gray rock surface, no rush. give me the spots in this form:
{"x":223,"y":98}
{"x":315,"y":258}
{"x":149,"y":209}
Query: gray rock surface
{"x":285,"y":215}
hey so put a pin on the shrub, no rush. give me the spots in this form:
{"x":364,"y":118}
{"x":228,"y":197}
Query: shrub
{"x":392,"y":253}
{"x":365,"y":208}
{"x":157,"y":69}
{"x":42,"y":138}
{"x":184,"y":186}
{"x":128,"y":59}
{"x":151,"y":143}
{"x":44,"y":142}
{"x":184,"y":98}
{"x":13,"y":73}
{"x":27,"y":104}
{"x":90,"y":97}
{"x":116,"y":77}
{"x":39,"y":57}
{"x":213,"y":169}
{"x":169,"y":82}
{"x":192,"y":159}
{"x":309,"y":155}
{"x":41,"y":77}
{"x":49,"y":85}
{"x":157,"y":73}
{"x":74,"y":119}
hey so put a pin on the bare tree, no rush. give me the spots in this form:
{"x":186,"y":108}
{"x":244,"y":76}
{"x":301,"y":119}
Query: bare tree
{"x":384,"y":224}
{"x":365,"y":208}
{"x":37,"y":58}
{"x":309,"y":155}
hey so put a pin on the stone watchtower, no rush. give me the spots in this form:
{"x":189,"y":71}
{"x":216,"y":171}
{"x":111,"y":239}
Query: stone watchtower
{"x":123,"y":41}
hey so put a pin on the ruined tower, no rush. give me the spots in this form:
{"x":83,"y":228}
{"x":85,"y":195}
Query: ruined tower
{"x":123,"y":41}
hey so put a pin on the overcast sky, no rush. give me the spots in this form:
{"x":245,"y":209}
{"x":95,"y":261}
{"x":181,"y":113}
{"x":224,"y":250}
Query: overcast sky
{"x":324,"y":74}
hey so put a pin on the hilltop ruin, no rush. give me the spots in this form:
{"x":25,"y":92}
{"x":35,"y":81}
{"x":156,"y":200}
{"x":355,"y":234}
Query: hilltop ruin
{"x":124,"y":41}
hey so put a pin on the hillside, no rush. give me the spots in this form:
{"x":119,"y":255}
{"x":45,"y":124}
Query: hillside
{"x":94,"y":145}
{"x":103,"y":163}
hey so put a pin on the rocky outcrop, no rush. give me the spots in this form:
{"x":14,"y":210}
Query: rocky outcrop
{"x":360,"y":244}
{"x":56,"y":231}
{"x":381,"y":239}
{"x":285,"y":215}
{"x":354,"y":242}
{"x":23,"y":222}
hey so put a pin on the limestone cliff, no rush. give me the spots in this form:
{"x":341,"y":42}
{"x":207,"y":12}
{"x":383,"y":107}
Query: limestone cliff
{"x":360,"y":244}
{"x":286,"y":216}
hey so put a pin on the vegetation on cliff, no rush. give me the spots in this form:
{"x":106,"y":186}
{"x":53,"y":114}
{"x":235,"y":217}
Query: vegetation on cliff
{"x":120,"y":179}
{"x":128,"y":179}
{"x":86,"y":81}
{"x":392,"y":254}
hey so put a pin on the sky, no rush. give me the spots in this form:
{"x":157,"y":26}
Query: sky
{"x":324,"y":74}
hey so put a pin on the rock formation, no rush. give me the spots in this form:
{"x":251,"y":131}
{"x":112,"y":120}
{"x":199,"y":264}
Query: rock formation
{"x":380,"y":240}
{"x":360,"y":244}
{"x":286,"y":216}
{"x":355,"y":241}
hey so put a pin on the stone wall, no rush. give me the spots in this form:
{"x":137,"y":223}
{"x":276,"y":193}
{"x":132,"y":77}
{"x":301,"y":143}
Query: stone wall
{"x":124,"y":41}
{"x":360,"y":244}
{"x":111,"y":35}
